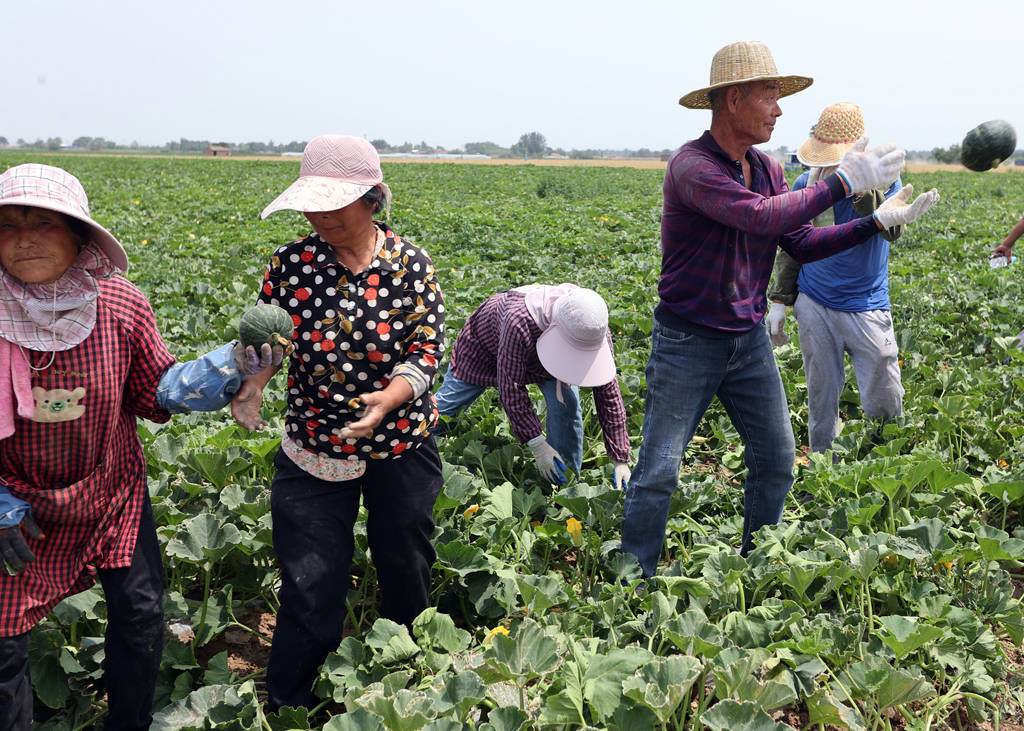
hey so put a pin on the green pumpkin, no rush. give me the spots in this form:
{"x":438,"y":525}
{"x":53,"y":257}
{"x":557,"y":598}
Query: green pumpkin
{"x":265,"y":324}
{"x":987,"y":145}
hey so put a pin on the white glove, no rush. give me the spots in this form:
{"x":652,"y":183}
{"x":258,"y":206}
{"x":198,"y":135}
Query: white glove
{"x":774,"y":320}
{"x":248,"y":363}
{"x":817,"y":174}
{"x":895,"y":211}
{"x":875,"y":168}
{"x":621,"y":475}
{"x":549,"y":461}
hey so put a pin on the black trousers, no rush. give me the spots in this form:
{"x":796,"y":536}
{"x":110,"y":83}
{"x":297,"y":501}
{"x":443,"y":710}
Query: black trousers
{"x":133,"y":643}
{"x":313,"y":540}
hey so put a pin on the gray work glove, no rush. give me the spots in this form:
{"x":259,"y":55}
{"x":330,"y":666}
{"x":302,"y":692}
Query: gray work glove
{"x":621,"y":475}
{"x":864,"y":169}
{"x":248,"y":362}
{"x":14,"y":550}
{"x":549,"y":461}
{"x":774,"y":321}
{"x":895,"y":211}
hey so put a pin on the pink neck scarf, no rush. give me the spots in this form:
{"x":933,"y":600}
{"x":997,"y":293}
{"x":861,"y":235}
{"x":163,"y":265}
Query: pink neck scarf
{"x":47,"y":318}
{"x":540,"y":303}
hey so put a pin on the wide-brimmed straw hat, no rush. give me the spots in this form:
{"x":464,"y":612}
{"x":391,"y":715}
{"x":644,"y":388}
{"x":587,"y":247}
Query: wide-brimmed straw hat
{"x":336,"y":170}
{"x":741,"y":63}
{"x":574,"y":348}
{"x":55,"y":189}
{"x":838,"y":127}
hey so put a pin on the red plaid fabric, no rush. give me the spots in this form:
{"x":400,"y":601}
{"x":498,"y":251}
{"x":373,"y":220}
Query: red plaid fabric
{"x":79,"y":462}
{"x":498,"y":347}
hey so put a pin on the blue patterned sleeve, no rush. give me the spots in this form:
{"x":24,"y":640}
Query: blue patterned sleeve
{"x":12,"y":509}
{"x":204,"y":384}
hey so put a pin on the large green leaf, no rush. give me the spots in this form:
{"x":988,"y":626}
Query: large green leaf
{"x":462,"y":691}
{"x":406,"y":710}
{"x":905,"y":634}
{"x":435,"y":629}
{"x":392,"y":641}
{"x":823,"y":708}
{"x":664,"y":684}
{"x":497,"y":502}
{"x":692,"y":633}
{"x":996,"y":545}
{"x":209,"y":707}
{"x":203,"y":537}
{"x":357,"y":720}
{"x":540,"y":593}
{"x":529,"y":652}
{"x":462,"y":558}
{"x":887,"y":686}
{"x":930,"y":533}
{"x":729,"y":715}
{"x":604,"y":675}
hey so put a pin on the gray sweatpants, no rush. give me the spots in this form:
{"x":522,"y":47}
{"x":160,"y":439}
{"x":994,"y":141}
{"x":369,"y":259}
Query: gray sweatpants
{"x":825,"y":335}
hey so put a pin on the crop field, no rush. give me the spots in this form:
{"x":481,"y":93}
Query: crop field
{"x":889,"y":597}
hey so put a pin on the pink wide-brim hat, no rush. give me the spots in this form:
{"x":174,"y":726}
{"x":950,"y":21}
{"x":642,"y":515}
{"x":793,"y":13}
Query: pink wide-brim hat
{"x":575,"y":348}
{"x":336,"y":170}
{"x":55,"y":189}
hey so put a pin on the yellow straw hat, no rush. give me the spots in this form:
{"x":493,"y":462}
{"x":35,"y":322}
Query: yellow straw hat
{"x":838,"y":127}
{"x":740,"y":63}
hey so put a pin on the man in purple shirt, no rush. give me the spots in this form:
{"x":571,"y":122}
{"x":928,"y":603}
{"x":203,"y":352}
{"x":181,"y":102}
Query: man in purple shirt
{"x":727,"y":208}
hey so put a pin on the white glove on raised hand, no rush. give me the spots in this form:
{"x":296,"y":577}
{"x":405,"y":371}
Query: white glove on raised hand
{"x":621,"y":475}
{"x":774,"y":321}
{"x":864,"y":169}
{"x":895,"y":211}
{"x":549,"y":461}
{"x":817,"y":174}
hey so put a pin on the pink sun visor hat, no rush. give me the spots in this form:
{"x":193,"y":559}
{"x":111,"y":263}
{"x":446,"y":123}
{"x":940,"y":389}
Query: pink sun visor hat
{"x":575,"y":348}
{"x":336,"y":170}
{"x":55,"y":189}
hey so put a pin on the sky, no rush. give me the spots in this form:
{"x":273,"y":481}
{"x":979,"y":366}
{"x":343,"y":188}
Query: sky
{"x":584,"y":73}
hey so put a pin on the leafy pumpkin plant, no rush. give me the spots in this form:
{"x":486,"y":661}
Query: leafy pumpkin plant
{"x":987,"y":145}
{"x":265,"y":323}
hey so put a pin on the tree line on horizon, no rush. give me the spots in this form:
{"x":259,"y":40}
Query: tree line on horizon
{"x":529,"y":145}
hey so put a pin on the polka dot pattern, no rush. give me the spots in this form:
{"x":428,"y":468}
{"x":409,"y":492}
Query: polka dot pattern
{"x":353,"y":334}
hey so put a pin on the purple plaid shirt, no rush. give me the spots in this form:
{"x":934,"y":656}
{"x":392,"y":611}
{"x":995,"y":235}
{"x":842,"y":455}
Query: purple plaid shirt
{"x":718,"y":237}
{"x":498,"y":347}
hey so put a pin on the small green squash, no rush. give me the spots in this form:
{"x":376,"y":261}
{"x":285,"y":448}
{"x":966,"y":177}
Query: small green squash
{"x":987,"y":145}
{"x":265,"y":323}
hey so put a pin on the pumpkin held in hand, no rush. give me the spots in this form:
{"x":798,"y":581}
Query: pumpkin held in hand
{"x":265,"y":323}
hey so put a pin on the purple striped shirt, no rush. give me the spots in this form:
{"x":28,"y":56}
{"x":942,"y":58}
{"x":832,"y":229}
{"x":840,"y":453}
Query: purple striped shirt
{"x":498,"y":347}
{"x":718,"y":237}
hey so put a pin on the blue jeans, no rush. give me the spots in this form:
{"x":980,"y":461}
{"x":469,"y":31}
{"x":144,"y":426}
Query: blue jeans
{"x":684,"y":373}
{"x":564,"y":420}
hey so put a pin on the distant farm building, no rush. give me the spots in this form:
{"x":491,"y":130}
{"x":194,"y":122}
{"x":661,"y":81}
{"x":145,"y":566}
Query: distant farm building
{"x":218,"y":151}
{"x":793,"y":163}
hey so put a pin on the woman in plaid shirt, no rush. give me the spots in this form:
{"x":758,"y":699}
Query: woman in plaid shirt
{"x":557,"y":337}
{"x":80,"y":360}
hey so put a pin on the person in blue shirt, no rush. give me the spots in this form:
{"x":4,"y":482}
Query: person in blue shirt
{"x":841,"y":302}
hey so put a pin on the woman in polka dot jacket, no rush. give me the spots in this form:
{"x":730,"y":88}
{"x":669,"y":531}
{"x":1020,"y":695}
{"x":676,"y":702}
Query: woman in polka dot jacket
{"x":369,"y":333}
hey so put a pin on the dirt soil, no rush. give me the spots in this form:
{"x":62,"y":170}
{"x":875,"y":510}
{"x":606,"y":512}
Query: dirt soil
{"x":247,"y":653}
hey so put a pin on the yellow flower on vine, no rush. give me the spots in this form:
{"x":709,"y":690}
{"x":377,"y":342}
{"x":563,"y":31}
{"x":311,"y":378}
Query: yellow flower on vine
{"x":499,"y":630}
{"x":470,"y":511}
{"x":575,"y":529}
